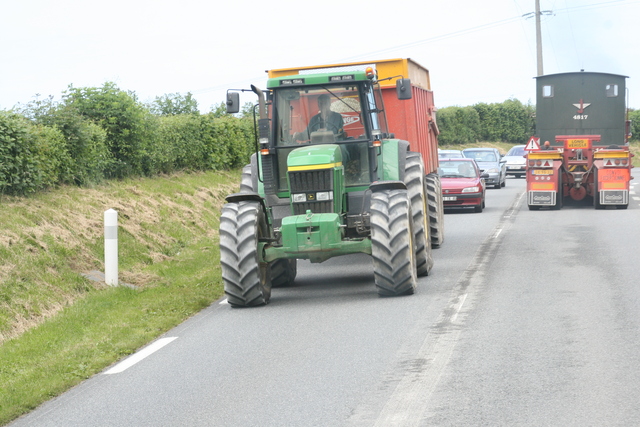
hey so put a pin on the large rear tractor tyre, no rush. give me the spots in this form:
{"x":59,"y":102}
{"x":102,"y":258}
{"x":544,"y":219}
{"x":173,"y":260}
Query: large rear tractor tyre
{"x":436,"y":210}
{"x":283,"y":272}
{"x":246,"y":184}
{"x":247,"y":282}
{"x":414,"y":179}
{"x":392,"y":248}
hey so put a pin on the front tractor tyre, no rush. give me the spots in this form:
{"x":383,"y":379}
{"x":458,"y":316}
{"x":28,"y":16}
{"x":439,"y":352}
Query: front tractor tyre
{"x":247,"y":281}
{"x":392,"y":246}
{"x":283,"y":272}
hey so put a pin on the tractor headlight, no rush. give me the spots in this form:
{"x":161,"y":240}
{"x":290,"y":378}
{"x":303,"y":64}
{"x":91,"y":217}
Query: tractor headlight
{"x":299,"y":198}
{"x":324,"y":195}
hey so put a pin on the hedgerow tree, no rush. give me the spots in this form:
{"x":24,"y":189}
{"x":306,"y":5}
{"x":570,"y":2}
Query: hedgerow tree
{"x":173,"y":104}
{"x":634,"y":116}
{"x":19,"y":166}
{"x":510,"y":121}
{"x":458,"y":125}
{"x":127,"y":123}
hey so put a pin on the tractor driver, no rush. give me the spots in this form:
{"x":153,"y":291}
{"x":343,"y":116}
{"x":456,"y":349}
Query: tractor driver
{"x":324,"y":120}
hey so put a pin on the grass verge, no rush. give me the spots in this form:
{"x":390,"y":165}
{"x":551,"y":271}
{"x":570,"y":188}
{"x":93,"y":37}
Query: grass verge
{"x":58,"y":328}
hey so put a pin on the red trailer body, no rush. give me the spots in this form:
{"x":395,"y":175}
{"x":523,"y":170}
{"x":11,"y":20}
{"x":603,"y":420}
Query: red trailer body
{"x":414,"y":120}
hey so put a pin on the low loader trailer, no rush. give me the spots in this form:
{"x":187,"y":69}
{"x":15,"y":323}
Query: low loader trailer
{"x":581,"y":117}
{"x":346,"y":162}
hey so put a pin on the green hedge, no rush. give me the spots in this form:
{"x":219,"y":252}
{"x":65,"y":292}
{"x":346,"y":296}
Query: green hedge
{"x":95,"y":134}
{"x":510,"y":121}
{"x":20,"y":168}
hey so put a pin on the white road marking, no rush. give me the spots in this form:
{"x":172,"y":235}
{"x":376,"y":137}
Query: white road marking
{"x":137,"y":357}
{"x":458,"y":307}
{"x":224,"y":301}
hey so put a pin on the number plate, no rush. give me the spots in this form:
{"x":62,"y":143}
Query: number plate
{"x":449,"y":198}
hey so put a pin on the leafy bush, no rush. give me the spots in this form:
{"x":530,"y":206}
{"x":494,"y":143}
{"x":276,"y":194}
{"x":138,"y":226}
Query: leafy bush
{"x":458,"y":125}
{"x":178,"y":144}
{"x":19,"y":166}
{"x":634,"y":116}
{"x":510,"y":121}
{"x":174,"y":104}
{"x":94,"y":134}
{"x":51,"y":154}
{"x":126,"y":122}
{"x":229,"y":141}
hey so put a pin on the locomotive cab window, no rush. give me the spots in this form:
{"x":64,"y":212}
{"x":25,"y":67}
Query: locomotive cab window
{"x":547,"y":91}
{"x":612,"y":90}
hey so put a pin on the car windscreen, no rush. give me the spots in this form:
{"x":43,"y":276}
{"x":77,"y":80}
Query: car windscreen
{"x":516,"y":151}
{"x":456,"y":169}
{"x":481,"y":156}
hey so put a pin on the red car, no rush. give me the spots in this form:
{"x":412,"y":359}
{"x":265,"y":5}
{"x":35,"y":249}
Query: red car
{"x":463,"y":184}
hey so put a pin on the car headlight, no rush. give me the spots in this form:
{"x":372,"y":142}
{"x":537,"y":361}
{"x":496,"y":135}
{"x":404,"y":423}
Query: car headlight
{"x":471,"y":189}
{"x":493,"y":170}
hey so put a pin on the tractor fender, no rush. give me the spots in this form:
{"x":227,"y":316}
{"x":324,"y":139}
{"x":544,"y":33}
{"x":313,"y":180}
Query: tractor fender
{"x":387,"y":185}
{"x":403,"y":148}
{"x":247,"y":197}
{"x":395,"y":157}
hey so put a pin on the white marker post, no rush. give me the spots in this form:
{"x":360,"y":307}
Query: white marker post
{"x":111,"y":247}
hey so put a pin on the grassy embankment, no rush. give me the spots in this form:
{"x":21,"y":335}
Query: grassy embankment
{"x":58,"y":328}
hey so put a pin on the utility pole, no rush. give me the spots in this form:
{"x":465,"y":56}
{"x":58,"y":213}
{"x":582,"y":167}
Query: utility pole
{"x":538,"y":13}
{"x":539,"y":39}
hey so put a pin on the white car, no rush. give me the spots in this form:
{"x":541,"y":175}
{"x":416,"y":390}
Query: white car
{"x":450,"y":154}
{"x":516,"y":162}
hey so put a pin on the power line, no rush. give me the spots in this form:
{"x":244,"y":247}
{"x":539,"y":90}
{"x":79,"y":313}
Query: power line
{"x":435,"y":39}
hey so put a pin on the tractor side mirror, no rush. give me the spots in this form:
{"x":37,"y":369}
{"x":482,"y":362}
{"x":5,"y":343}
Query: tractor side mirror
{"x":233,"y":102}
{"x":403,"y":89}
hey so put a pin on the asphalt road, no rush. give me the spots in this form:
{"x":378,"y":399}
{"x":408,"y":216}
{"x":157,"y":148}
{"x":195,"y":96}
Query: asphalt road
{"x":528,"y":318}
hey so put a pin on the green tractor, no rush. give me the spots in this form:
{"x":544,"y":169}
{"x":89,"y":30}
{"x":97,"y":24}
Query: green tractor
{"x":325,"y":181}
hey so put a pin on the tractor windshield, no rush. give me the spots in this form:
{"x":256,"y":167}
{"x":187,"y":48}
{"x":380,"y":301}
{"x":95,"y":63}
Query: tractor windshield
{"x":318,"y":115}
{"x":323,"y":115}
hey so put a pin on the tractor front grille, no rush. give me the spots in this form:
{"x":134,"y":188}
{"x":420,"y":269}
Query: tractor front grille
{"x":311,"y":183}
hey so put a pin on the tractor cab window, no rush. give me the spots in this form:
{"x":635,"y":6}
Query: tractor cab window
{"x":324,"y":115}
{"x":319,"y":115}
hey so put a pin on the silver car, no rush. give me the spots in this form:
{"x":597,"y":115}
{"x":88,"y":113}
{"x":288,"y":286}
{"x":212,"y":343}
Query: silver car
{"x":489,"y":161}
{"x":450,"y":154}
{"x":516,"y":162}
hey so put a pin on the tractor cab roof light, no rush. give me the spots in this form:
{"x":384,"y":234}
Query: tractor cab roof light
{"x":370,"y":73}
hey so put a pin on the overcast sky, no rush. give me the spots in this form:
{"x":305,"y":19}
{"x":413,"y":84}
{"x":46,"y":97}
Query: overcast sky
{"x":476,"y":50}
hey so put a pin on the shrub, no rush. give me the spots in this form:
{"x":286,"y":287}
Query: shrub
{"x":125,"y":121}
{"x":458,"y":125}
{"x":19,"y":167}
